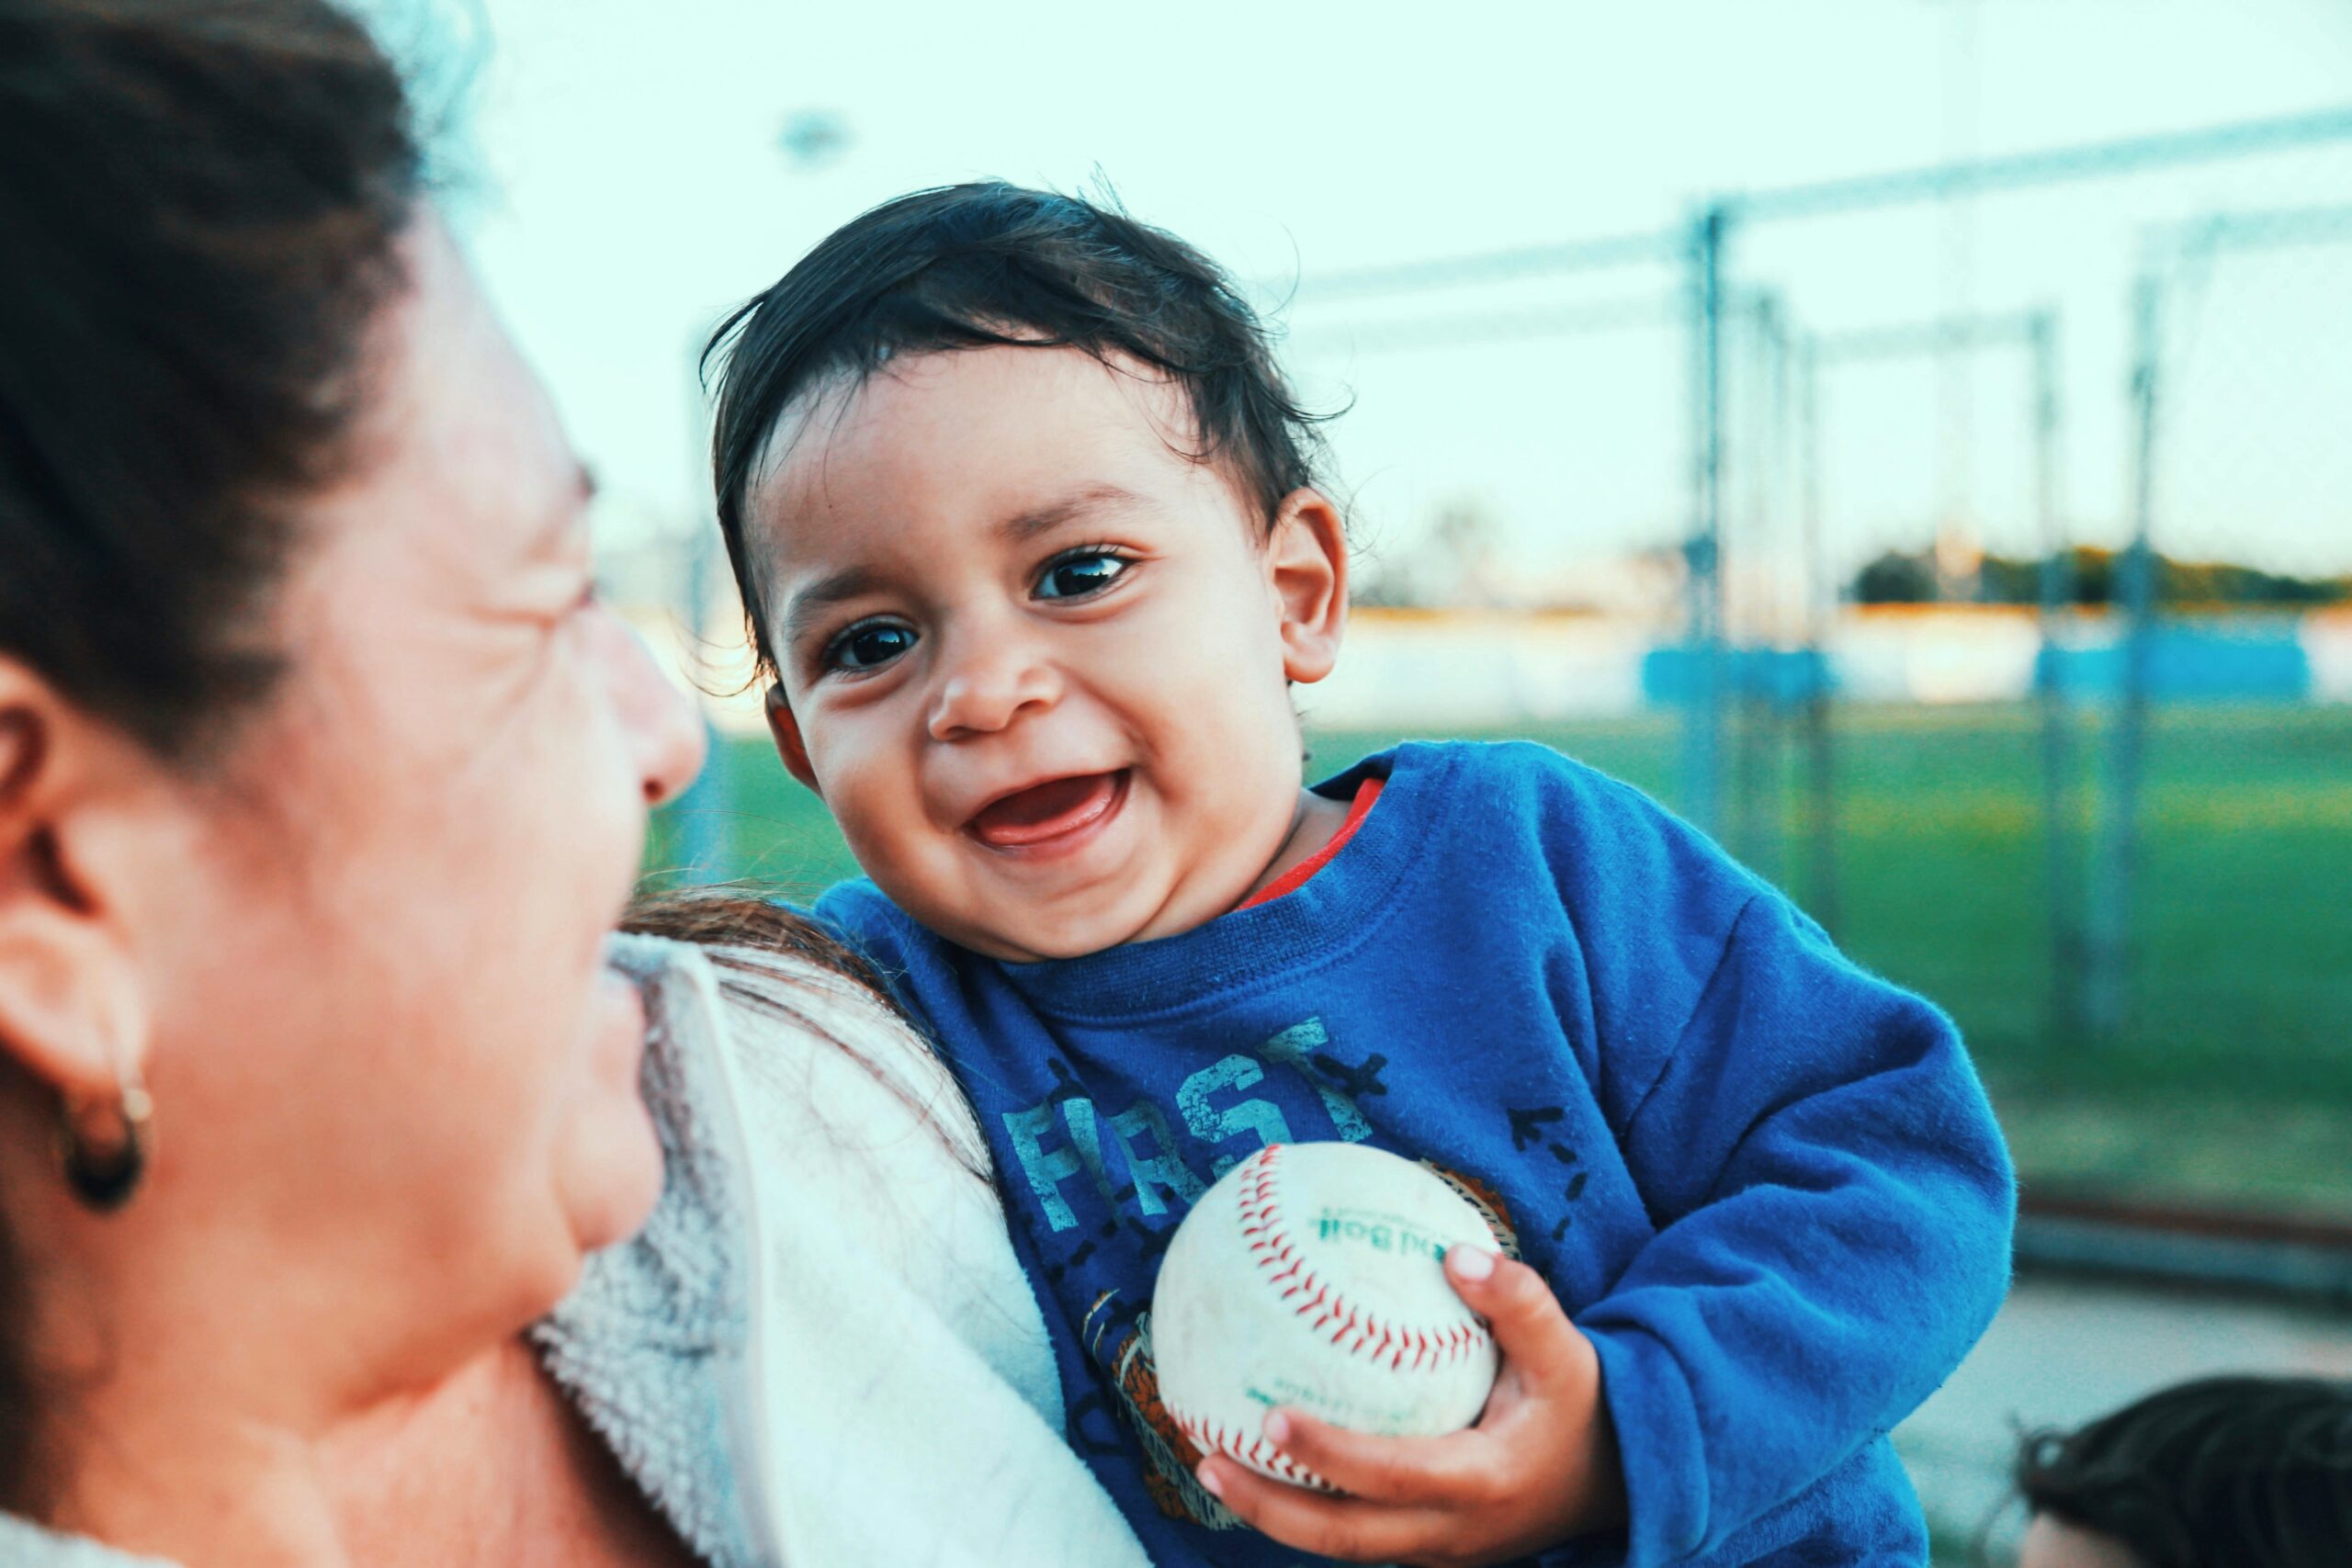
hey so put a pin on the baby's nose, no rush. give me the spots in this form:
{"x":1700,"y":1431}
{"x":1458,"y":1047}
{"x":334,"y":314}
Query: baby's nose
{"x":986,"y":689}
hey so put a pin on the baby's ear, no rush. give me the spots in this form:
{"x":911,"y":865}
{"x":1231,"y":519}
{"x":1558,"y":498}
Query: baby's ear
{"x":1306,"y":564}
{"x":788,"y":744}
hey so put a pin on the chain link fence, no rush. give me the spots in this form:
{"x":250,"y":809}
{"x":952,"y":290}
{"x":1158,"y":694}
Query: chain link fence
{"x":2232,"y":587}
{"x":1821,"y":514}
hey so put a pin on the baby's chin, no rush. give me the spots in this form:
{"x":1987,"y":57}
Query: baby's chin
{"x":1001,"y":932}
{"x":1021,"y":945}
{"x":1011,"y":932}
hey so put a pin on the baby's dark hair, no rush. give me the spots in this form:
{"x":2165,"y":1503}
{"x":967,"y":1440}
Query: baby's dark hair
{"x":991,"y":265}
{"x":2242,"y":1472}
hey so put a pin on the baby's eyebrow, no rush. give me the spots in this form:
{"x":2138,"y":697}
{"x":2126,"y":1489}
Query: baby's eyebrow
{"x":1025,"y":525}
{"x":832,"y":588}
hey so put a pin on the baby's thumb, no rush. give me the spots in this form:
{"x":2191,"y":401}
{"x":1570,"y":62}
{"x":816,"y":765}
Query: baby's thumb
{"x":1530,"y":1328}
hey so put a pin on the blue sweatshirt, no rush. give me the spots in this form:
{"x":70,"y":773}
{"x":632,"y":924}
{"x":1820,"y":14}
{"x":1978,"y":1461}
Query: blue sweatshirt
{"x":1765,"y":1182}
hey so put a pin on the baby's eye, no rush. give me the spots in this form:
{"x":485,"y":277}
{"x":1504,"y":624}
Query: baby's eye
{"x":868,"y":646}
{"x":1075,"y":576}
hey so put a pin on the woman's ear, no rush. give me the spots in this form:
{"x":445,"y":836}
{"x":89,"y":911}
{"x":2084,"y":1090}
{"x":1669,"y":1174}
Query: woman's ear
{"x":72,"y":1008}
{"x":788,"y":744}
{"x":1307,"y":563}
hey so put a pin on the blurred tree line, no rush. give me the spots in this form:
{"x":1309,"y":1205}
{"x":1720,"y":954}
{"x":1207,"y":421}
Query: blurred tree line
{"x":1900,"y":577}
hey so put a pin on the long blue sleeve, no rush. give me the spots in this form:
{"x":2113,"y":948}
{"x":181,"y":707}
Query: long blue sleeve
{"x":1835,"y":1208}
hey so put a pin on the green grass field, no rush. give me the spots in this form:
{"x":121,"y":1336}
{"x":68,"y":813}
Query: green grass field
{"x":2234,"y":1082}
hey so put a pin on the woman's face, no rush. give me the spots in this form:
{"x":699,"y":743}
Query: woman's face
{"x":389,"y":1073}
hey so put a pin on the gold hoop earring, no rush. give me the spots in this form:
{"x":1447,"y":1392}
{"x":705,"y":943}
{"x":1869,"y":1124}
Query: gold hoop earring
{"x":103,"y":1173}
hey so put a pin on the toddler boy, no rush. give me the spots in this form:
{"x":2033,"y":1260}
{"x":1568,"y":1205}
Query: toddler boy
{"x":1026,"y":522}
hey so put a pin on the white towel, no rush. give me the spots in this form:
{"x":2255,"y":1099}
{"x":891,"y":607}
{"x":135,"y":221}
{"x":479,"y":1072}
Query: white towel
{"x":880,"y":1388}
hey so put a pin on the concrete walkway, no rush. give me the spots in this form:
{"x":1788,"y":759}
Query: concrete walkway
{"x":2063,"y":1351}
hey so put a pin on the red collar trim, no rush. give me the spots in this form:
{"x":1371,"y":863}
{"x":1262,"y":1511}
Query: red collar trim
{"x":1297,"y":877}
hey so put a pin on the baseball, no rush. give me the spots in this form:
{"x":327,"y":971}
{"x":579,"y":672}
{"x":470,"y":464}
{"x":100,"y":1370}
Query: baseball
{"x":1309,"y":1275}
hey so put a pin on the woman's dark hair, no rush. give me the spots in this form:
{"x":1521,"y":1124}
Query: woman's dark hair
{"x":989,"y":265}
{"x":2224,"y":1472}
{"x":201,"y":205}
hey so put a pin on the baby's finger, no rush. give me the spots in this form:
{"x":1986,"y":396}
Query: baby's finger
{"x":1453,"y":1472}
{"x":1347,"y":1528}
{"x":1530,"y":1326}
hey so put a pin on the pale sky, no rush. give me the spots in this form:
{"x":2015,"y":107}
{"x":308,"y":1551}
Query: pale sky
{"x":637,"y":190}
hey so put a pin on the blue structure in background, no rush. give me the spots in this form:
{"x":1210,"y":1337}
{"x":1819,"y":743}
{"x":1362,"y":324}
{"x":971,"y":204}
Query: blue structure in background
{"x":2245,"y":662}
{"x":1784,"y":676}
{"x":2248,"y":660}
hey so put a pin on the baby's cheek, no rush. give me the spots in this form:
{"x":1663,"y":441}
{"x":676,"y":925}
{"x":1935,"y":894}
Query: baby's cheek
{"x":886,"y":830}
{"x":859,"y":828}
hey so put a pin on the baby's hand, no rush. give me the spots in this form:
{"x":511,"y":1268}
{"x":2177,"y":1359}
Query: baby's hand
{"x":1540,"y":1467}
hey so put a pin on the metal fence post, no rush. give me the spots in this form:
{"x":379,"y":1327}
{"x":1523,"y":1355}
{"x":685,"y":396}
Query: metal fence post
{"x":1753,"y":821}
{"x":1821,"y":599}
{"x":2056,"y":585}
{"x":701,"y":814}
{"x":702,"y":811}
{"x":2107,"y":989}
{"x":1702,"y":738}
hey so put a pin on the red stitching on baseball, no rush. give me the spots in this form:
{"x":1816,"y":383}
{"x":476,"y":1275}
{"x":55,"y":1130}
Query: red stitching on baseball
{"x":1270,"y":1243}
{"x":1214,"y":1436}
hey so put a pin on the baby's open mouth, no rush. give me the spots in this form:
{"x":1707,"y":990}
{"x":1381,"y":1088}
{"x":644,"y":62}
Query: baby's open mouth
{"x":1043,"y":813}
